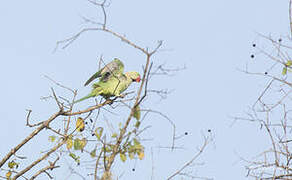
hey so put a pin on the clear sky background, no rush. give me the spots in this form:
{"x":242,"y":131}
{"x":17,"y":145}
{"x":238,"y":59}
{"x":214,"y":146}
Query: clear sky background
{"x":211,"y":38}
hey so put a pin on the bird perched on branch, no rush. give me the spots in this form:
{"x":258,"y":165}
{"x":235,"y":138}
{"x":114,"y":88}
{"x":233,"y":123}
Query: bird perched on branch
{"x":116,"y":67}
{"x":112,"y":80}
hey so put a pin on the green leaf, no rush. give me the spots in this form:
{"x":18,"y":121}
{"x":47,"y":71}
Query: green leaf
{"x":108,"y":149}
{"x":72,"y":155}
{"x":120,"y":125}
{"x":123,"y":157}
{"x":52,"y":138}
{"x":76,"y":158}
{"x":137,"y":124}
{"x":77,"y":144}
{"x":93,"y":153}
{"x":284,"y":71}
{"x":114,"y":135}
{"x":13,"y":164}
{"x":136,"y":142}
{"x":98,"y":132}
{"x":137,"y":113}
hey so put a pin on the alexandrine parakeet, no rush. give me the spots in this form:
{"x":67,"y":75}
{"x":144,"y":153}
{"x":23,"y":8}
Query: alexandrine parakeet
{"x":112,"y":81}
{"x":113,"y":68}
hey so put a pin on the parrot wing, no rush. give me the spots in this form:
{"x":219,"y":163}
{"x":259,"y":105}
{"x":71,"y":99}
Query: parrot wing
{"x":115,"y":67}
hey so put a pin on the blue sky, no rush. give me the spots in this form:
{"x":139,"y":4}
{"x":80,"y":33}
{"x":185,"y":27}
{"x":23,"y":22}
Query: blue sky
{"x":212,"y":39}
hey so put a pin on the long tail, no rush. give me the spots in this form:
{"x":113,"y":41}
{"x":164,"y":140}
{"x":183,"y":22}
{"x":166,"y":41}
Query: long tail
{"x":86,"y":97}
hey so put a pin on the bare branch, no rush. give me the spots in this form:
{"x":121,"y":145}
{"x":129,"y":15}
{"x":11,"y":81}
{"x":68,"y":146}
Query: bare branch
{"x":27,"y":120}
{"x":51,"y":166}
{"x":201,"y":150}
{"x":39,"y":160}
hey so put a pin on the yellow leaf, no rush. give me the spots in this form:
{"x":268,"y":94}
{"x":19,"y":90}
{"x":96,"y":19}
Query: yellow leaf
{"x":284,"y":71}
{"x":52,"y":138}
{"x":107,"y":158}
{"x":80,"y":124}
{"x":69,"y":143}
{"x":8,"y":174}
{"x":141,"y":155}
{"x":289,"y":63}
{"x":131,"y":155}
{"x":123,"y":157}
{"x":83,"y":143}
{"x":137,"y":113}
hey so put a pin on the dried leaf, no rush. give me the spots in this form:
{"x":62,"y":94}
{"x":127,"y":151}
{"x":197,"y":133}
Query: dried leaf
{"x":8,"y":174}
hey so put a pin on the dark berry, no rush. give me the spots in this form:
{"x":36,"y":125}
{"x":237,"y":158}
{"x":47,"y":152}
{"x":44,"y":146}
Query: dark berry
{"x":266,"y":72}
{"x":209,"y":130}
{"x":252,"y":56}
{"x":186,"y":133}
{"x":280,"y":40}
{"x":133,"y":169}
{"x":253,"y":45}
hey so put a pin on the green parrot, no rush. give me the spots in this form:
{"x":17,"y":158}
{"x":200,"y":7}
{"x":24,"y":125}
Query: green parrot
{"x":114,"y":68}
{"x":113,"y":86}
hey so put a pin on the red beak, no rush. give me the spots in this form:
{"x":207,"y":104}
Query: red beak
{"x":138,"y":79}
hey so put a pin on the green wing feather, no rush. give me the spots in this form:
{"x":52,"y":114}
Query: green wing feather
{"x":114,"y":85}
{"x":95,"y":92}
{"x":82,"y":99}
{"x":113,"y":68}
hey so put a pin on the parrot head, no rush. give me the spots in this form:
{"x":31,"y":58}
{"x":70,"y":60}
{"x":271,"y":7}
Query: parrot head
{"x":135,"y":76}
